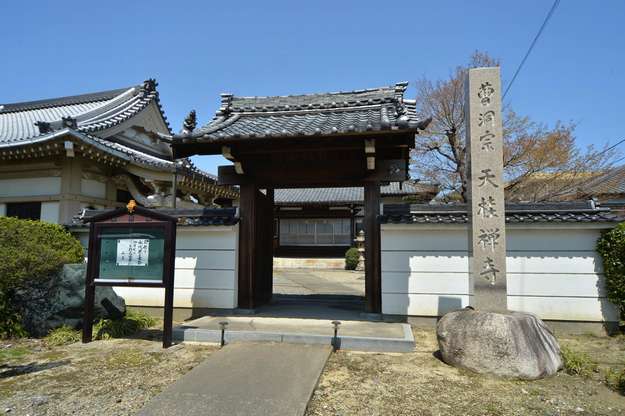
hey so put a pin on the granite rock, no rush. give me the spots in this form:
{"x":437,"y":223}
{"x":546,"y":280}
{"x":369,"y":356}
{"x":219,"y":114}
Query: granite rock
{"x":515,"y":344}
{"x":46,"y":304}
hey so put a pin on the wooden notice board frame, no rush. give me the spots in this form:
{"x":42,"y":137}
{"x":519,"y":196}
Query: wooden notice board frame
{"x":121,"y":219}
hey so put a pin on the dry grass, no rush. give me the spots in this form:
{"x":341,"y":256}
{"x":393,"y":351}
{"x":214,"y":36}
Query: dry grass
{"x":420,"y":384}
{"x":113,"y":377}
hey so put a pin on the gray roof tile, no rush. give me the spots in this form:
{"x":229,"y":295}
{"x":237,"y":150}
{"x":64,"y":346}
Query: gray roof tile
{"x":310,"y":115}
{"x":562,"y":212}
{"x":350,"y":194}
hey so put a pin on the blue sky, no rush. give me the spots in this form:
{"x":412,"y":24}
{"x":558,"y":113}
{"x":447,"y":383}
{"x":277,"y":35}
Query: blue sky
{"x":198,"y":49}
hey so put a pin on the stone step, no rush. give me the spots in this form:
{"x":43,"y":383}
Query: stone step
{"x":352,"y":335}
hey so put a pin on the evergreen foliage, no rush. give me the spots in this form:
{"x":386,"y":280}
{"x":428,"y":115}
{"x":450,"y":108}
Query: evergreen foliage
{"x":351,"y":258}
{"x":611,"y":247}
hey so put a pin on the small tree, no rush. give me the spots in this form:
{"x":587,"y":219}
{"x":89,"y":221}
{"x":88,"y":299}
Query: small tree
{"x":540,"y":162}
{"x":611,"y":247}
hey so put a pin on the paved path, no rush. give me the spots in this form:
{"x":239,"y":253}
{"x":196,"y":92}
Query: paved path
{"x":318,"y":281}
{"x":246,"y":379}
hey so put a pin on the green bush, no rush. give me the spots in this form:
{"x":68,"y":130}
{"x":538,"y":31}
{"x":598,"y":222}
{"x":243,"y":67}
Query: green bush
{"x":29,"y":250}
{"x":62,"y":335}
{"x":611,"y":247}
{"x":577,"y":363}
{"x":130,"y":324}
{"x":351,"y":258}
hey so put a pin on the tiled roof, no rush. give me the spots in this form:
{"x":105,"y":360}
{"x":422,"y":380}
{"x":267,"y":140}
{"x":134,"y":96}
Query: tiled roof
{"x":186,"y":217}
{"x":564,"y":212}
{"x":349,"y":195}
{"x":90,"y":112}
{"x":611,"y":182}
{"x":326,"y":114}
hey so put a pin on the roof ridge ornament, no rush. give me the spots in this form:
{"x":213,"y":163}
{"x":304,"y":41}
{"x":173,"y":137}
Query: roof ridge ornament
{"x":69,"y":122}
{"x":43,"y":126}
{"x":149,"y":85}
{"x":226,"y":104}
{"x":190,"y":122}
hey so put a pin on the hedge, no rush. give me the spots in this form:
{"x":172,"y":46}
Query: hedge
{"x":611,"y":247}
{"x":29,"y":250}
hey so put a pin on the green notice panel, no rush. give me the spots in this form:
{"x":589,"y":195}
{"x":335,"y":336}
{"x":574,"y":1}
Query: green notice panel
{"x":132,"y":255}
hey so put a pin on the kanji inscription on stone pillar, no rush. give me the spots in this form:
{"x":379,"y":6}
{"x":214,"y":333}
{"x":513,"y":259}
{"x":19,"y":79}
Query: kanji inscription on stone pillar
{"x":487,"y":220}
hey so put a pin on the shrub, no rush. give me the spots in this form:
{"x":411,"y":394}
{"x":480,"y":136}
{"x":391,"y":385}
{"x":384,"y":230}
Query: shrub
{"x":616,"y":380}
{"x":62,"y":336}
{"x":577,"y":363}
{"x":131,"y":323}
{"x":29,"y":250}
{"x":611,"y":247}
{"x":351,"y":258}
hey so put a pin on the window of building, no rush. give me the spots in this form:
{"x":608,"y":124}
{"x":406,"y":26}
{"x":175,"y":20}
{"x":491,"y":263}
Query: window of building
{"x":24,"y":210}
{"x":315,"y":232}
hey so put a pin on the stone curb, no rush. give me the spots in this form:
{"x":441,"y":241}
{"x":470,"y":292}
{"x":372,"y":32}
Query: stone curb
{"x":368,"y":344}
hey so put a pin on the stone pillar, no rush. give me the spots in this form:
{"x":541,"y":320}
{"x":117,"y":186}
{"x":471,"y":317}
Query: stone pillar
{"x":487,"y":228}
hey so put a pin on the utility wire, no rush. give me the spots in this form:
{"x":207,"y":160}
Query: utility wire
{"x":612,"y":147}
{"x":540,"y":31}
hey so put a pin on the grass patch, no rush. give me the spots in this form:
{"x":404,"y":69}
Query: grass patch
{"x":578,"y":363}
{"x":616,"y":380}
{"x":12,"y":353}
{"x":63,"y":335}
{"x":130,"y":358}
{"x":130,"y":324}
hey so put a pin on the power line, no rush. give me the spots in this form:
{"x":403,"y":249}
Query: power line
{"x":612,"y":147}
{"x":540,"y":31}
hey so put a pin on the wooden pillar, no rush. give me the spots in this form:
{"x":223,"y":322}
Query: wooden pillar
{"x":373,"y":275}
{"x":269,"y":242}
{"x":248,"y":209}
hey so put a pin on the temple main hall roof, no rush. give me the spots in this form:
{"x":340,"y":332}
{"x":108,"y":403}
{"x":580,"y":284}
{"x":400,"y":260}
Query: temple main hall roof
{"x":40,"y":128}
{"x":326,"y":114}
{"x":86,"y":113}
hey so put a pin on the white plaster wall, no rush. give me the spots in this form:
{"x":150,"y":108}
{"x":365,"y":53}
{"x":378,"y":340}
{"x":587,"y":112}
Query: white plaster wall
{"x":205,"y":271}
{"x":30,"y":186}
{"x":50,"y":212}
{"x":93,"y":188}
{"x":553,"y":271}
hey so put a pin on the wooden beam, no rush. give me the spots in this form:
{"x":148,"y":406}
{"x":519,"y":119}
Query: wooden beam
{"x":346,"y":173}
{"x":226,"y":152}
{"x":373,"y":274}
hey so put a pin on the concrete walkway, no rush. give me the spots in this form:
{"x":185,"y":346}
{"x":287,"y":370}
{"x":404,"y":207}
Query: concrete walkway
{"x":319,"y":281}
{"x":246,"y":379}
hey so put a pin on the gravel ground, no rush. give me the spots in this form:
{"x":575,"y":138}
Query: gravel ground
{"x":115,"y":377}
{"x":419,"y":384}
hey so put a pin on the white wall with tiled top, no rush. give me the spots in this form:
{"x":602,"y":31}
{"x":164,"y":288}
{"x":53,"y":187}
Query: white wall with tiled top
{"x":205,"y":270}
{"x":553,"y":270}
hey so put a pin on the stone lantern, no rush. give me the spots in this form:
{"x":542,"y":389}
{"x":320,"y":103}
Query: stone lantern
{"x":360,"y":245}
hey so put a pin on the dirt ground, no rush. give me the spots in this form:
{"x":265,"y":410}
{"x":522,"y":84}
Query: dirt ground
{"x":419,"y":384}
{"x":115,"y":377}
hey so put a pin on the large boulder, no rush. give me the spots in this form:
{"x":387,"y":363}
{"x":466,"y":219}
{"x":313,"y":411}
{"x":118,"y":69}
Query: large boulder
{"x":515,"y":344}
{"x":46,"y":304}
